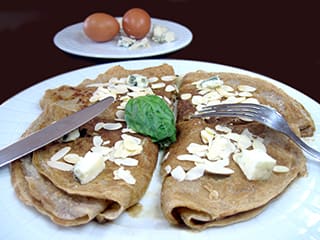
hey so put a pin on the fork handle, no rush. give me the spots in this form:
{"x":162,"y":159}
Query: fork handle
{"x":307,"y":149}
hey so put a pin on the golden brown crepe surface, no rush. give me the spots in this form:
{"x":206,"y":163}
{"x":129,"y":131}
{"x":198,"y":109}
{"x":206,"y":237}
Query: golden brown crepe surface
{"x":215,"y":200}
{"x":192,"y":203}
{"x":297,"y":116}
{"x":109,"y":197}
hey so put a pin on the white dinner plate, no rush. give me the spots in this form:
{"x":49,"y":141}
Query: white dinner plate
{"x":72,"y":39}
{"x":293,"y":215}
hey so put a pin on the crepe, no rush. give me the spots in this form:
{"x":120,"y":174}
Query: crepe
{"x":205,"y":201}
{"x":58,"y":194}
{"x":294,"y":112}
{"x":221,"y":199}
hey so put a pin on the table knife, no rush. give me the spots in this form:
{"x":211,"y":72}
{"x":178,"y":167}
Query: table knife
{"x":52,"y":132}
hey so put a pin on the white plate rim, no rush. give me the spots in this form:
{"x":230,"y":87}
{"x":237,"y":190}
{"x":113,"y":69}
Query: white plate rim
{"x":71,"y":39}
{"x":302,"y":217}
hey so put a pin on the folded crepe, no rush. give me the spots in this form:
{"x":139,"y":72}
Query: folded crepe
{"x":203,"y":184}
{"x":42,"y":182}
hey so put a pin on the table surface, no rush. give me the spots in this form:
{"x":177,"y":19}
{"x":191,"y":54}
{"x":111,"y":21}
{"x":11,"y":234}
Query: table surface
{"x":280,"y":41}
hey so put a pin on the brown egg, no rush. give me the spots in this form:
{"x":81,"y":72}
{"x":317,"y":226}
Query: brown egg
{"x":136,"y":23}
{"x":101,"y":27}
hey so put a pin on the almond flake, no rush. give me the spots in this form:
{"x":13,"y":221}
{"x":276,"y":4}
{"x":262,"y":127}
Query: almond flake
{"x":197,"y":149}
{"x":170,"y":88}
{"x":72,"y":158}
{"x":185,"y":96}
{"x":104,"y":151}
{"x":158,"y":85}
{"x":98,"y":126}
{"x":168,"y":169}
{"x":251,"y":100}
{"x":195,"y":173}
{"x":126,"y":161}
{"x":233,"y":99}
{"x":178,"y":173}
{"x":153,"y":79}
{"x":60,"y":165}
{"x":125,"y":175}
{"x":112,"y":126}
{"x":280,"y":169}
{"x":245,"y":94}
{"x":97,"y":141}
{"x":246,"y":88}
{"x":135,"y":139}
{"x":60,"y":154}
{"x":168,"y":78}
{"x":189,"y":157}
{"x":223,"y":129}
{"x":120,"y":114}
{"x":218,"y":170}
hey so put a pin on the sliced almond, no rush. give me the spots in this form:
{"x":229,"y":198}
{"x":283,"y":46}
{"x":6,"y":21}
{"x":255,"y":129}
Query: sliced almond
{"x":170,"y":88}
{"x":178,"y":173}
{"x":280,"y":169}
{"x":112,"y":126}
{"x":195,"y":173}
{"x":189,"y":157}
{"x":158,"y":85}
{"x":60,"y":154}
{"x":185,"y":96}
{"x":60,"y":165}
{"x":72,"y":158}
{"x":168,"y":78}
{"x":246,"y":88}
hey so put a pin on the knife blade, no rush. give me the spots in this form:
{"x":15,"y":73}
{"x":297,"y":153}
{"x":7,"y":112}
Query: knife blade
{"x":52,"y":132}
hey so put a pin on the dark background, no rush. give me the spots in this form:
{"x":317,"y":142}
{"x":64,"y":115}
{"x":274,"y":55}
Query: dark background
{"x":280,"y":40}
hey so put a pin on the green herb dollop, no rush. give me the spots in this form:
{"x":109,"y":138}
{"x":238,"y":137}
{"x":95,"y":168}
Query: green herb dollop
{"x":151,"y":116}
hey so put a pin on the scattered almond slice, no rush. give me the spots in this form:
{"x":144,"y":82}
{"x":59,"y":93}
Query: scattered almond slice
{"x":178,"y":173}
{"x":280,"y":169}
{"x":72,"y":158}
{"x":60,"y":165}
{"x":60,"y":154}
{"x":112,"y":126}
{"x":125,"y":175}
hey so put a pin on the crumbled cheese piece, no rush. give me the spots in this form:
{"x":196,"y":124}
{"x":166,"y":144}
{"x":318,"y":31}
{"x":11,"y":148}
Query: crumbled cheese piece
{"x":137,"y":80}
{"x":255,"y":164}
{"x":89,"y":167}
{"x":126,"y":41}
{"x":143,"y":43}
{"x":161,"y":34}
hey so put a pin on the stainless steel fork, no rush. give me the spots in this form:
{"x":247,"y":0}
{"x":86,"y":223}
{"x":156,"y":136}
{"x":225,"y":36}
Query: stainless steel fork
{"x":260,"y":113}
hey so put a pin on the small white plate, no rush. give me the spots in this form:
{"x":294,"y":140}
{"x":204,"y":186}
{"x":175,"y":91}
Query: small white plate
{"x":293,"y":215}
{"x":73,"y":40}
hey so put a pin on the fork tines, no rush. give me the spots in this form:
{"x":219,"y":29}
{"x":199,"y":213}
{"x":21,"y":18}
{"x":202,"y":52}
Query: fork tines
{"x":244,"y":110}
